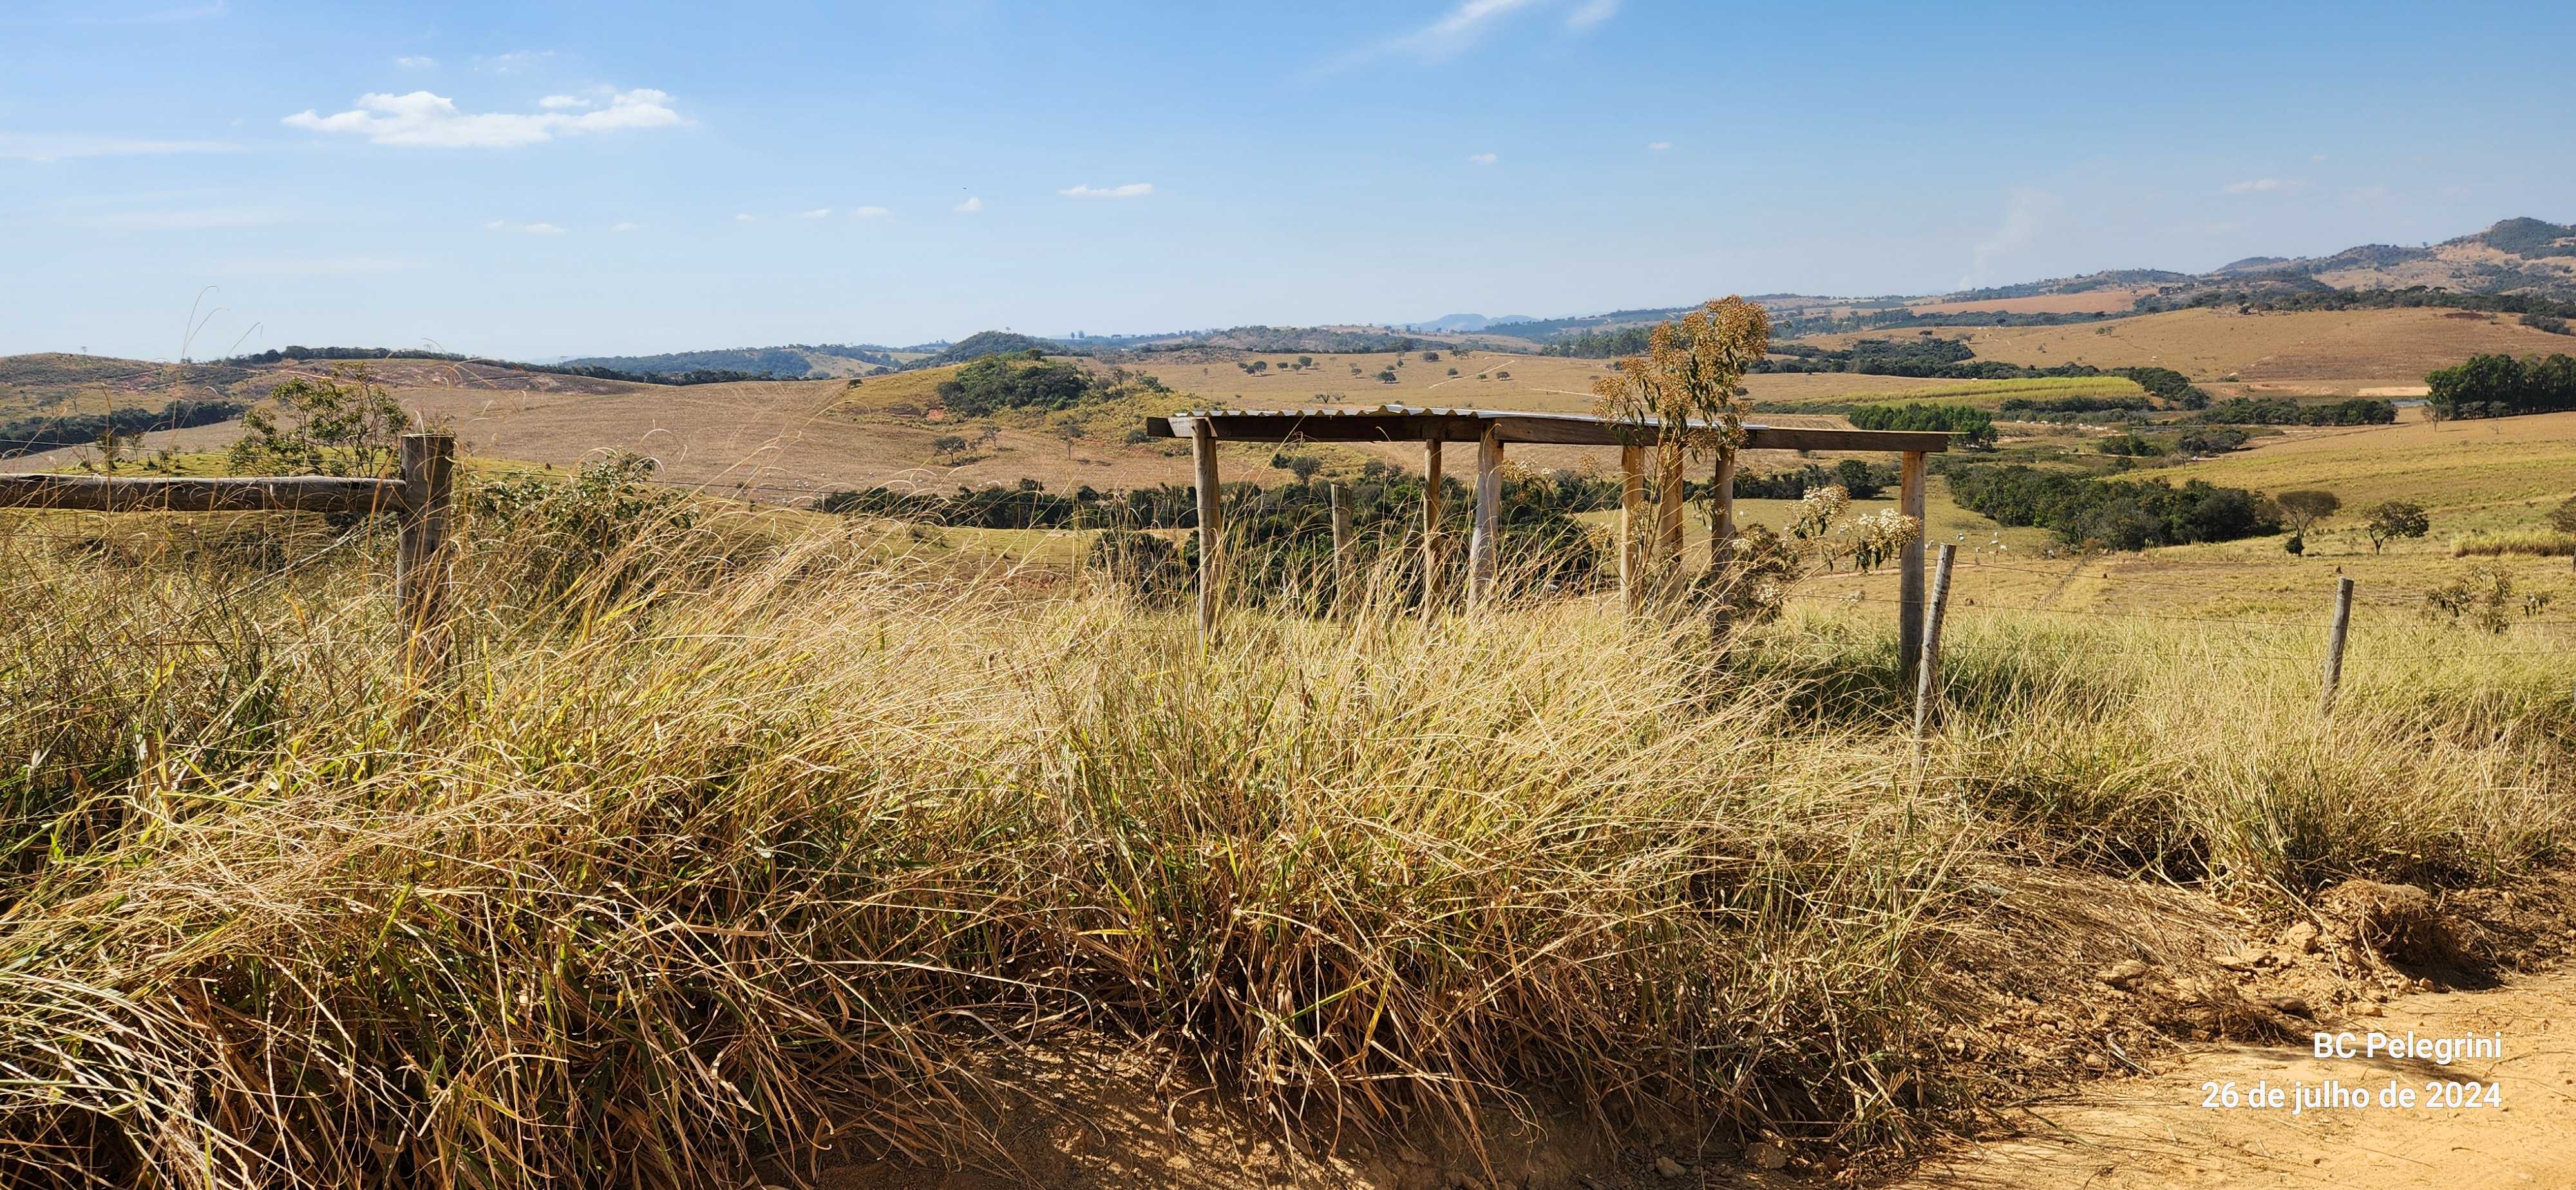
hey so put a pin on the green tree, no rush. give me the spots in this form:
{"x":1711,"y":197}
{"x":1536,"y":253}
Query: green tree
{"x":341,"y":426}
{"x":2302,"y":510}
{"x":2389,"y":520}
{"x":949,"y":446}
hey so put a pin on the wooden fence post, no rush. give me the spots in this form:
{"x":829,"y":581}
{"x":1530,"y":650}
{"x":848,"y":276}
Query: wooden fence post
{"x":1927,"y":675}
{"x":2334,"y":644}
{"x":420,"y":554}
{"x":1483,"y":546}
{"x":1909,"y":564}
{"x":1721,"y":526}
{"x":1211,"y":522}
{"x":1430,"y":523}
{"x":1341,"y":504}
{"x":1632,"y":501}
{"x":1667,"y":563}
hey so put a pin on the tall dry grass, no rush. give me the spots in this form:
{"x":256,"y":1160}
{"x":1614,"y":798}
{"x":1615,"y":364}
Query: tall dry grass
{"x":674,"y":881}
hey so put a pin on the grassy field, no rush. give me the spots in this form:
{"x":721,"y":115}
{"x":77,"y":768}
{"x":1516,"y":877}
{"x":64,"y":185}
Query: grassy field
{"x":1982,"y":394}
{"x":2320,"y":352}
{"x":741,"y":836}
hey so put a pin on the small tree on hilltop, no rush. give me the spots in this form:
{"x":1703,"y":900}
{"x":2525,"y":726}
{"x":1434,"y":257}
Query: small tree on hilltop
{"x":2389,"y":520}
{"x":2303,"y":509}
{"x":949,"y":446}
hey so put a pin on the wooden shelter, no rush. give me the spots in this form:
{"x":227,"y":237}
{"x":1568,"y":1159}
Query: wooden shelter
{"x":1491,"y":430}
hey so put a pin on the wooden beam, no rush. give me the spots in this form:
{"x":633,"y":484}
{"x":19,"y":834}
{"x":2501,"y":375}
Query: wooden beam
{"x":303,"y":493}
{"x":1469,"y":425}
{"x":420,"y":554}
{"x":1430,"y":523}
{"x":1909,"y":566}
{"x":1632,"y":528}
{"x":1483,"y":546}
{"x":1211,"y":523}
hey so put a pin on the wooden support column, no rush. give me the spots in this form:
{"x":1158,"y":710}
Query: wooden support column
{"x":1211,"y":522}
{"x":420,"y":554}
{"x":1341,"y":505}
{"x":1632,"y":528}
{"x":1430,"y":521}
{"x":1909,"y":566}
{"x":1483,"y":545}
{"x":1721,"y":527}
{"x":1668,"y":517}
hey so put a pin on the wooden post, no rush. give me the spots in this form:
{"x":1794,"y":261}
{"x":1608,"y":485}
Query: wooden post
{"x":1909,"y":565}
{"x":1668,"y":516}
{"x":1211,"y":522}
{"x":1721,"y":527}
{"x":420,"y":554}
{"x":2334,"y":644}
{"x":1483,"y":545}
{"x":1632,"y":501}
{"x":1927,"y":675}
{"x":1430,"y":521}
{"x":1341,"y":543}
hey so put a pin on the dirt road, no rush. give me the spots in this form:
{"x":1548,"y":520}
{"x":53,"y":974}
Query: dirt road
{"x":2154,"y":1131}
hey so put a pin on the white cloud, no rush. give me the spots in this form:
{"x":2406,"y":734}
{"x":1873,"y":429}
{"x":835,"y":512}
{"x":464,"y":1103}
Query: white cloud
{"x":1463,"y":24}
{"x":970,"y":206}
{"x":512,"y":63}
{"x":556,"y":103}
{"x":1590,"y":13}
{"x":424,"y":120}
{"x":746,"y":217}
{"x":816,"y":213}
{"x":2263,"y":186}
{"x":536,"y":229}
{"x":2026,"y":213}
{"x":870,"y":212}
{"x":1658,"y":146}
{"x":1483,"y":158}
{"x":196,"y":220}
{"x":415,"y":61}
{"x":38,"y":146}
{"x":1130,"y":190}
{"x":628,"y":227}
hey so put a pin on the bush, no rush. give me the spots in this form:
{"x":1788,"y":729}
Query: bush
{"x":580,"y":529}
{"x":2113,"y":514}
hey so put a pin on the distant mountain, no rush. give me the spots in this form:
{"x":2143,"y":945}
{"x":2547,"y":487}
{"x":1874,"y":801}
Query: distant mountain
{"x":1465,"y":322}
{"x":2516,"y":256}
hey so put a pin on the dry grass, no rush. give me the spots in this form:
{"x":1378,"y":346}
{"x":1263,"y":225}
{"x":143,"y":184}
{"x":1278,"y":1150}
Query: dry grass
{"x":2529,"y":542}
{"x":674,"y":880}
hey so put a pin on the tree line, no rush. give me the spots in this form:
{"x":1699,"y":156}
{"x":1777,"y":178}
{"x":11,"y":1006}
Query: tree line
{"x":590,"y":371}
{"x":27,"y":435}
{"x":2502,"y":386}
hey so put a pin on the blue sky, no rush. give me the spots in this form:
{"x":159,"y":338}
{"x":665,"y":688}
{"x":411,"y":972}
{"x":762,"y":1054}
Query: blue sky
{"x":528,"y":179}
